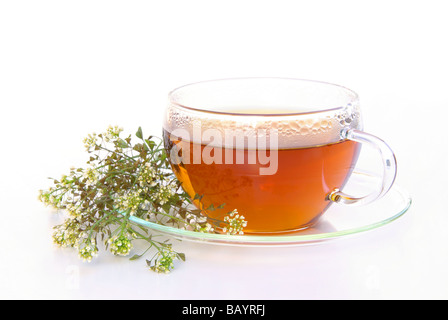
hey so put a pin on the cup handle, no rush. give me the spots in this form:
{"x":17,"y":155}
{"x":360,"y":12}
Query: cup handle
{"x":389,"y":169}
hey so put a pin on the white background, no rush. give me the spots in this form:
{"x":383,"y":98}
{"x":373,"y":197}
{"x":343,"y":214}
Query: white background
{"x":68,"y":68}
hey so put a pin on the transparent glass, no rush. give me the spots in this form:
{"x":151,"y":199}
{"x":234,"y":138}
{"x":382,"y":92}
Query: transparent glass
{"x":219,"y":134}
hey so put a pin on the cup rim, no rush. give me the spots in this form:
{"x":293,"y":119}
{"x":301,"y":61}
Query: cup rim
{"x":350,"y":92}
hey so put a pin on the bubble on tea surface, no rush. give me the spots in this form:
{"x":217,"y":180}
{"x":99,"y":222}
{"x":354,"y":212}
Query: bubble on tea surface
{"x":294,"y":130}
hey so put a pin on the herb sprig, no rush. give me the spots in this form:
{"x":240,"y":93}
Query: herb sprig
{"x":123,"y":179}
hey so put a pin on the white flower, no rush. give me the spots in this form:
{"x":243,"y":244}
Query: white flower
{"x":91,"y":176}
{"x":235,"y":222}
{"x":112,"y":133}
{"x":131,"y":201}
{"x":147,"y":176}
{"x":163,"y":194}
{"x":120,"y":245}
{"x":90,"y":141}
{"x":164,"y":261}
{"x":88,"y":252}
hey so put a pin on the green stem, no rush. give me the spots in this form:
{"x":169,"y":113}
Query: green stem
{"x":98,"y":222}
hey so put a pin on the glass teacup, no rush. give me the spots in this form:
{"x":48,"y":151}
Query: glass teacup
{"x":279,"y":151}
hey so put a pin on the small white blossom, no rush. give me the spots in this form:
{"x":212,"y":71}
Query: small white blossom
{"x":120,"y":245}
{"x":147,"y":176}
{"x":66,"y":235}
{"x":235,"y":222}
{"x":91,"y":176}
{"x":162,"y":195}
{"x":131,"y":201}
{"x":164,"y":261}
{"x":88,"y":252}
{"x":112,"y":132}
{"x":90,"y":141}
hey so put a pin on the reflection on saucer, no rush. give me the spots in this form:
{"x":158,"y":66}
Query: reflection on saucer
{"x":323,"y":226}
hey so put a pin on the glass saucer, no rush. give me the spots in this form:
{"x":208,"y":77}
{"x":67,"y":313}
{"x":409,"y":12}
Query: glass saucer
{"x":338,"y":221}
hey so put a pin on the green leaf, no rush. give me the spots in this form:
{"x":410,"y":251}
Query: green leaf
{"x":197,"y":197}
{"x":138,"y":147}
{"x":122,"y":144}
{"x":181,"y":256}
{"x":151,"y":144}
{"x":136,"y":256}
{"x":139,"y":133}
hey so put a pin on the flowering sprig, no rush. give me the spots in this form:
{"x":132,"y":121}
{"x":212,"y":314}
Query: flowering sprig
{"x":123,"y":180}
{"x":163,"y":261}
{"x":120,"y":245}
{"x":236,"y":223}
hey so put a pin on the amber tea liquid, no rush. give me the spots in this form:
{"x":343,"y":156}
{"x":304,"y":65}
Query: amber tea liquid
{"x":292,"y":198}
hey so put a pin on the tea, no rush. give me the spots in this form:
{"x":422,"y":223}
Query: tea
{"x":292,"y":198}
